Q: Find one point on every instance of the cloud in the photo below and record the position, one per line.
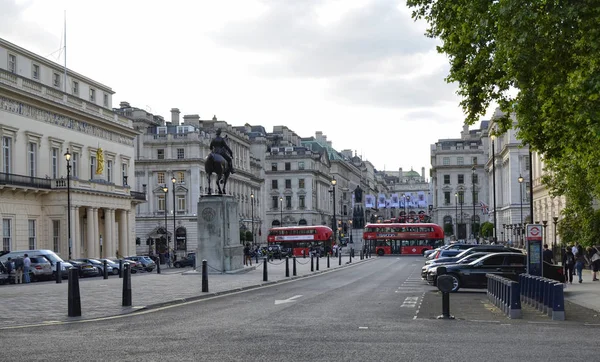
(17, 29)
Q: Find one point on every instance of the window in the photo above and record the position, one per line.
(475, 197)
(288, 202)
(161, 203)
(446, 161)
(56, 80)
(461, 179)
(274, 185)
(274, 166)
(92, 166)
(460, 161)
(446, 179)
(459, 146)
(447, 198)
(105, 100)
(56, 235)
(92, 95)
(274, 202)
(494, 260)
(474, 160)
(31, 159)
(181, 177)
(109, 169)
(288, 184)
(301, 165)
(161, 177)
(160, 154)
(76, 88)
(32, 234)
(124, 173)
(54, 162)
(301, 201)
(35, 72)
(180, 153)
(288, 166)
(526, 162)
(474, 178)
(301, 183)
(12, 63)
(6, 154)
(75, 164)
(461, 197)
(6, 235)
(180, 202)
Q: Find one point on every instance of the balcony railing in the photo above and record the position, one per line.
(137, 195)
(26, 181)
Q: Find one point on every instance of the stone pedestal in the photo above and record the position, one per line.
(219, 235)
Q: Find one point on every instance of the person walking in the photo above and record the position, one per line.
(548, 255)
(26, 267)
(247, 257)
(18, 270)
(595, 258)
(569, 265)
(579, 264)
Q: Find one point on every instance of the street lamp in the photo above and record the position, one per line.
(281, 209)
(456, 214)
(555, 220)
(544, 223)
(333, 222)
(68, 158)
(473, 201)
(173, 180)
(166, 191)
(493, 137)
(521, 179)
(252, 206)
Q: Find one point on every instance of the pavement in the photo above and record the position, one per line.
(47, 302)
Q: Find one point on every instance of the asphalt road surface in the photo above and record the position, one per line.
(368, 312)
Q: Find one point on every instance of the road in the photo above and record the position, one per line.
(368, 312)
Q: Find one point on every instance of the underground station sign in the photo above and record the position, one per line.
(534, 249)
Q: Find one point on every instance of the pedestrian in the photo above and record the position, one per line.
(548, 255)
(18, 270)
(579, 264)
(168, 258)
(569, 264)
(247, 256)
(335, 249)
(26, 266)
(595, 257)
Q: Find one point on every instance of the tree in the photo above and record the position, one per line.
(487, 229)
(249, 236)
(539, 61)
(448, 229)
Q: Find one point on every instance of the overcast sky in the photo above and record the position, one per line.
(360, 71)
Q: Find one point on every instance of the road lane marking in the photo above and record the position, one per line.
(289, 300)
(363, 327)
(410, 302)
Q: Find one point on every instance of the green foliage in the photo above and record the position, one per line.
(540, 61)
(242, 236)
(448, 229)
(249, 236)
(487, 229)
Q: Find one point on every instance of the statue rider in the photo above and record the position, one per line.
(219, 145)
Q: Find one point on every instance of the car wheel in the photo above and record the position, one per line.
(115, 271)
(455, 282)
(177, 265)
(149, 270)
(380, 252)
(133, 271)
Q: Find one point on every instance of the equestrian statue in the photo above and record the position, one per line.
(220, 162)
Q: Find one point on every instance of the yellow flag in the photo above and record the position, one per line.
(100, 160)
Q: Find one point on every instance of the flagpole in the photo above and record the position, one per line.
(65, 87)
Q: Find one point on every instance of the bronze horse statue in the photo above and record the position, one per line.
(217, 164)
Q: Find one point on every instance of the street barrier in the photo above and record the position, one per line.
(74, 298)
(58, 272)
(204, 276)
(126, 299)
(445, 283)
(265, 275)
(505, 294)
(294, 266)
(546, 295)
(104, 269)
(287, 266)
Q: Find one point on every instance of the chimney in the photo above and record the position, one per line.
(192, 120)
(124, 105)
(175, 116)
(400, 174)
(423, 173)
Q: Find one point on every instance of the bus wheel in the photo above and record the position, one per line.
(380, 252)
(423, 251)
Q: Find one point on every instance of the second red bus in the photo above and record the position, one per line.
(396, 238)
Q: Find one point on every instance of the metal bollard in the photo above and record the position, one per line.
(73, 293)
(444, 284)
(287, 267)
(351, 252)
(204, 276)
(158, 266)
(312, 264)
(265, 275)
(327, 261)
(127, 286)
(256, 255)
(120, 268)
(340, 257)
(294, 266)
(58, 272)
(558, 304)
(318, 262)
(105, 269)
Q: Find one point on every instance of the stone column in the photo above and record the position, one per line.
(75, 246)
(89, 235)
(107, 234)
(95, 234)
(122, 244)
(113, 236)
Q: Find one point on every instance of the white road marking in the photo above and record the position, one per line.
(289, 300)
(363, 327)
(410, 302)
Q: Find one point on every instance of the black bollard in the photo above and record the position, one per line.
(350, 256)
(340, 257)
(157, 266)
(58, 272)
(256, 254)
(204, 276)
(265, 275)
(294, 266)
(73, 293)
(312, 264)
(127, 286)
(105, 274)
(287, 267)
(120, 268)
(445, 283)
(327, 261)
(318, 257)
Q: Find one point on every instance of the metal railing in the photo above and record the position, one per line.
(137, 195)
(26, 181)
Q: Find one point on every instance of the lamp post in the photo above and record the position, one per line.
(166, 191)
(281, 209)
(456, 214)
(555, 220)
(68, 158)
(494, 183)
(544, 223)
(461, 199)
(173, 180)
(252, 207)
(333, 222)
(521, 179)
(405, 208)
(473, 200)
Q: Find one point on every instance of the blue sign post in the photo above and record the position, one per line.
(535, 265)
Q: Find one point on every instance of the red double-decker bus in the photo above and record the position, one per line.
(396, 238)
(301, 238)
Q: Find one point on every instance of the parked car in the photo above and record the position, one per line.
(447, 257)
(114, 265)
(50, 255)
(98, 265)
(85, 269)
(134, 266)
(505, 264)
(189, 260)
(40, 269)
(466, 259)
(147, 263)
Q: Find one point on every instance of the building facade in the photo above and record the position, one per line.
(47, 112)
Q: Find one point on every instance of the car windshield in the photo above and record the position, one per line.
(95, 261)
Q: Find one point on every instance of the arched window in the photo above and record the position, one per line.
(275, 223)
(447, 219)
(302, 222)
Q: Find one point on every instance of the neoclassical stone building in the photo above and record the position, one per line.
(46, 111)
